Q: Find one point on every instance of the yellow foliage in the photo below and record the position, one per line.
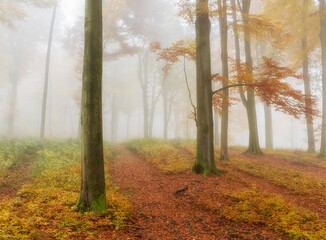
(162, 154)
(45, 209)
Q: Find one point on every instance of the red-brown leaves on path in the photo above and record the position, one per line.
(160, 213)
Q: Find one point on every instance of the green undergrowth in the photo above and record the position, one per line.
(14, 152)
(299, 182)
(45, 209)
(162, 154)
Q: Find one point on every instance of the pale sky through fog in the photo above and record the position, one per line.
(72, 10)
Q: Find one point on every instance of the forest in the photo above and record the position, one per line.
(162, 119)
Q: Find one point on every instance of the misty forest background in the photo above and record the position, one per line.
(24, 48)
(160, 119)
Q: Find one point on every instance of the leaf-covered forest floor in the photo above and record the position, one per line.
(152, 193)
(161, 212)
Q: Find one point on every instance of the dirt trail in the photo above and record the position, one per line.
(247, 180)
(160, 213)
(14, 178)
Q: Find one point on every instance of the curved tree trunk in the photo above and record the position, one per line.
(205, 162)
(322, 6)
(46, 79)
(92, 194)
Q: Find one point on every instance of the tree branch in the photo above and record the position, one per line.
(230, 86)
(189, 91)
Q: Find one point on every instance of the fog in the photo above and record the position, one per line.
(129, 29)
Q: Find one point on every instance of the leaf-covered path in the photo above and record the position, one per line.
(161, 212)
(15, 177)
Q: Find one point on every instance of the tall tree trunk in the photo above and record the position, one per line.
(205, 162)
(114, 119)
(269, 142)
(154, 100)
(46, 79)
(306, 80)
(216, 129)
(165, 110)
(237, 48)
(14, 75)
(322, 6)
(92, 194)
(225, 73)
(251, 103)
(142, 75)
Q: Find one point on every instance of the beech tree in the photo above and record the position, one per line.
(205, 161)
(92, 194)
(47, 68)
(222, 7)
(322, 12)
(301, 39)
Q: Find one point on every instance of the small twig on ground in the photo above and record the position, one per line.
(181, 191)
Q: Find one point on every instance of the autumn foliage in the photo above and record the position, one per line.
(269, 80)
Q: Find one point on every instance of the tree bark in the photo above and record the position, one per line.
(205, 162)
(225, 73)
(92, 194)
(165, 110)
(142, 76)
(216, 129)
(322, 6)
(237, 49)
(254, 147)
(46, 79)
(306, 80)
(14, 75)
(269, 142)
(114, 116)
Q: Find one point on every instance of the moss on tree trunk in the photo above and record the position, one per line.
(205, 162)
(92, 195)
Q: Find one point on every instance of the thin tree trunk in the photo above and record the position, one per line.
(165, 110)
(306, 80)
(114, 119)
(237, 49)
(251, 103)
(216, 127)
(155, 99)
(14, 76)
(269, 142)
(46, 79)
(205, 162)
(142, 75)
(92, 194)
(225, 73)
(322, 6)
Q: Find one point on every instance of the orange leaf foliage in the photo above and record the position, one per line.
(171, 55)
(268, 82)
